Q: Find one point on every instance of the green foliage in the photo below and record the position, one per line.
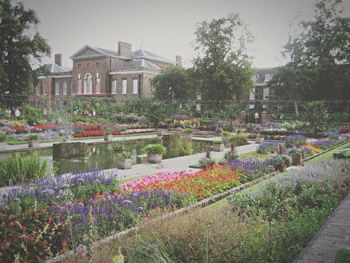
(31, 114)
(177, 144)
(19, 169)
(18, 48)
(316, 115)
(319, 56)
(237, 139)
(33, 137)
(222, 67)
(282, 160)
(172, 83)
(3, 136)
(156, 148)
(206, 162)
(124, 155)
(295, 152)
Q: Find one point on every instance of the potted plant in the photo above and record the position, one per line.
(218, 146)
(33, 140)
(108, 135)
(155, 152)
(3, 143)
(281, 162)
(124, 160)
(297, 156)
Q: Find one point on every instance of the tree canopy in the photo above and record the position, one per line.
(319, 66)
(222, 65)
(20, 47)
(173, 83)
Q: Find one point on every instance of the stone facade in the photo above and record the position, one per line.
(122, 75)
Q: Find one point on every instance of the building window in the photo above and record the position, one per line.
(79, 66)
(64, 88)
(268, 77)
(135, 86)
(124, 86)
(266, 93)
(98, 83)
(252, 95)
(57, 88)
(87, 83)
(87, 65)
(97, 64)
(79, 84)
(114, 87)
(45, 88)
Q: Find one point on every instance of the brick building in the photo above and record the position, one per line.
(123, 75)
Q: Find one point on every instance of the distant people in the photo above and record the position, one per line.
(256, 117)
(8, 112)
(44, 111)
(93, 113)
(17, 113)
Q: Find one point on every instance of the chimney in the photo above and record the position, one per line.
(124, 49)
(58, 59)
(178, 60)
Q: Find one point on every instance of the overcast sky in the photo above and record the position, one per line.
(165, 27)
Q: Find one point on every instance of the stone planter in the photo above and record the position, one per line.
(154, 158)
(108, 137)
(259, 140)
(124, 163)
(298, 160)
(218, 147)
(33, 144)
(3, 145)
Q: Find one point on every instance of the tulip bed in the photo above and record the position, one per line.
(55, 214)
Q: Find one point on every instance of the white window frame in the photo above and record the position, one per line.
(124, 86)
(114, 87)
(64, 88)
(266, 93)
(79, 84)
(87, 83)
(135, 86)
(45, 88)
(57, 88)
(98, 83)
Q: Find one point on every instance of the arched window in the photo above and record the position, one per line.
(87, 83)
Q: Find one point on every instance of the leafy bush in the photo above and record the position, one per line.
(266, 147)
(156, 148)
(3, 137)
(19, 169)
(295, 140)
(177, 144)
(33, 137)
(124, 155)
(206, 162)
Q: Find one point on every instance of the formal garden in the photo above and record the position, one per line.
(47, 213)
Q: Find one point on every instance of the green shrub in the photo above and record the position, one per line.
(156, 148)
(3, 137)
(177, 144)
(33, 137)
(124, 155)
(18, 169)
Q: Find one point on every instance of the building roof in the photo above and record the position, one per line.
(102, 52)
(56, 69)
(138, 65)
(261, 74)
(145, 54)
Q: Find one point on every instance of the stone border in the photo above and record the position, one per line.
(184, 210)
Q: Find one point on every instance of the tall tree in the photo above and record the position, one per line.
(222, 65)
(20, 47)
(173, 83)
(319, 66)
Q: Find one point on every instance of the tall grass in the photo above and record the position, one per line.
(18, 169)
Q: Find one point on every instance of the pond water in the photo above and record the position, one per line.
(100, 156)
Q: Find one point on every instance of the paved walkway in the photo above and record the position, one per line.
(334, 235)
(181, 163)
